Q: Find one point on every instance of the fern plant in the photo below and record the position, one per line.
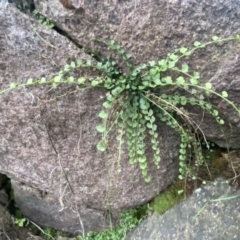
(140, 99)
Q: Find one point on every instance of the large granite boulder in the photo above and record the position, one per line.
(151, 29)
(48, 137)
(212, 212)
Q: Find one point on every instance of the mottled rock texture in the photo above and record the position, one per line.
(211, 213)
(150, 29)
(5, 222)
(10, 230)
(48, 135)
(42, 134)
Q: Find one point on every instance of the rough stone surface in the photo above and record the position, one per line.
(45, 138)
(46, 213)
(34, 123)
(3, 197)
(5, 220)
(211, 213)
(150, 29)
(10, 231)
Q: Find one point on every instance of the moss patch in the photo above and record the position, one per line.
(167, 199)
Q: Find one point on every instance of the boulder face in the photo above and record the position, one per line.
(207, 214)
(48, 137)
(149, 30)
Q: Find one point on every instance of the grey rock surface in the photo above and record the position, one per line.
(10, 231)
(5, 221)
(48, 134)
(211, 213)
(33, 121)
(48, 213)
(149, 30)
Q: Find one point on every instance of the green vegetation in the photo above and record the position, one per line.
(129, 220)
(41, 19)
(20, 221)
(35, 14)
(167, 199)
(137, 97)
